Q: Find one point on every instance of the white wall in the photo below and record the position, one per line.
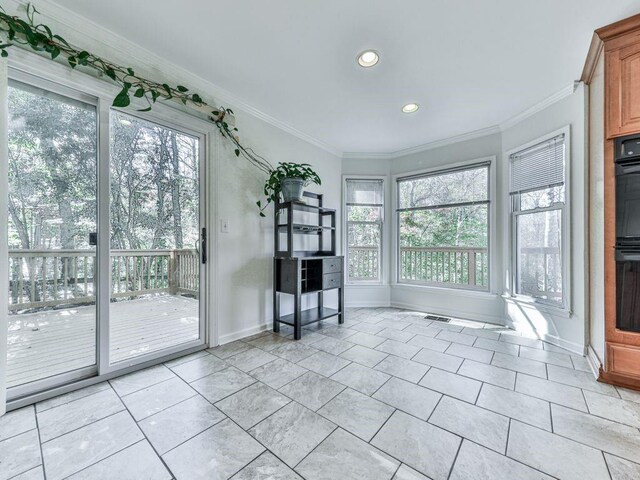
(569, 331)
(244, 256)
(596, 210)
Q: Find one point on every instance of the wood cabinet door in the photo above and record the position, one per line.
(623, 90)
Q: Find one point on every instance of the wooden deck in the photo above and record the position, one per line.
(57, 341)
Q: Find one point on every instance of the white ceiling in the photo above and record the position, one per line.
(470, 64)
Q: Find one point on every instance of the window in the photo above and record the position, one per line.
(443, 227)
(364, 202)
(537, 188)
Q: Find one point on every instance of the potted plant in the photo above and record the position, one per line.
(288, 180)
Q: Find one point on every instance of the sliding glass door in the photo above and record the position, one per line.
(155, 238)
(52, 223)
(83, 176)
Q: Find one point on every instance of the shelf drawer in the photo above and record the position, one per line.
(331, 280)
(331, 265)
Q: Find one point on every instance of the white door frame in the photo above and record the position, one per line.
(4, 238)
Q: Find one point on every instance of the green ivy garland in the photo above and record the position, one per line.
(40, 38)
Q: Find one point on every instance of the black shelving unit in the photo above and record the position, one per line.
(308, 270)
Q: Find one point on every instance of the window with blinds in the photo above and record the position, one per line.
(364, 203)
(443, 227)
(537, 188)
(538, 167)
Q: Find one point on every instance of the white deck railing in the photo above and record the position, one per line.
(540, 272)
(363, 263)
(445, 265)
(48, 278)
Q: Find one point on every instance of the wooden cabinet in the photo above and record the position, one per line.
(620, 45)
(623, 87)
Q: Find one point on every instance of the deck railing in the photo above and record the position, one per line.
(445, 265)
(363, 263)
(48, 278)
(540, 272)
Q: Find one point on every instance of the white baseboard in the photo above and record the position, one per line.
(594, 361)
(559, 342)
(452, 312)
(367, 304)
(231, 337)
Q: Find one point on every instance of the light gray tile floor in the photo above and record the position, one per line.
(388, 395)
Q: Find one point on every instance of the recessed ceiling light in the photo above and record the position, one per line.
(368, 58)
(410, 108)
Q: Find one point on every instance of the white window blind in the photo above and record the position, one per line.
(365, 193)
(537, 167)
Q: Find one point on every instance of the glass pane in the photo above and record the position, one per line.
(543, 198)
(540, 255)
(155, 264)
(364, 214)
(52, 209)
(364, 251)
(445, 245)
(471, 185)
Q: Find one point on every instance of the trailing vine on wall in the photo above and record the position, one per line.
(40, 38)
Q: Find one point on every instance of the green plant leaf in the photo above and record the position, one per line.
(122, 99)
(61, 40)
(237, 151)
(182, 89)
(139, 93)
(82, 57)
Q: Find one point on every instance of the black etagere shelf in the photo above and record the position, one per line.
(307, 270)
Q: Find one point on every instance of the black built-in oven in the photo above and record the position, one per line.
(627, 158)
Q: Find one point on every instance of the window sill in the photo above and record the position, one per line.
(447, 290)
(542, 307)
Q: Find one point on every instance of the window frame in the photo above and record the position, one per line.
(512, 203)
(491, 226)
(382, 251)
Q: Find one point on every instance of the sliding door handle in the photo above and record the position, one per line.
(203, 239)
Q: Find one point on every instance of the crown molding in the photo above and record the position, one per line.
(590, 63)
(547, 102)
(82, 31)
(424, 147)
(619, 28)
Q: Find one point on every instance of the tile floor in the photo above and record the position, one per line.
(388, 395)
